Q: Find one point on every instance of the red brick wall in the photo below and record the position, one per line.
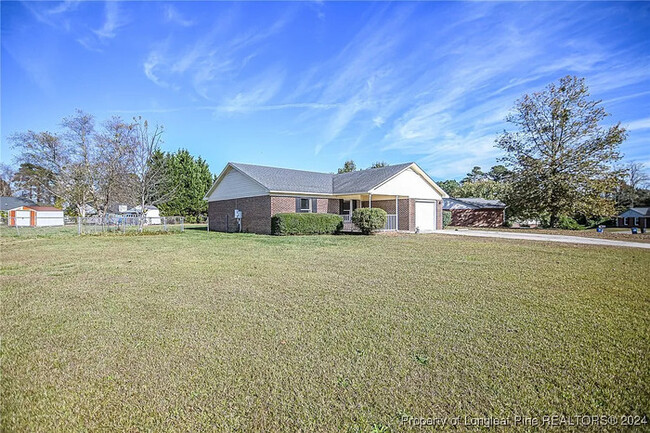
(477, 217)
(284, 204)
(256, 214)
(387, 205)
(439, 215)
(406, 218)
(333, 206)
(411, 214)
(643, 222)
(323, 205)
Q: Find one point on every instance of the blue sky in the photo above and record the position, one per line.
(309, 85)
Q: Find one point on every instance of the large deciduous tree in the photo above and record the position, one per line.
(79, 177)
(43, 157)
(114, 169)
(561, 157)
(150, 179)
(637, 179)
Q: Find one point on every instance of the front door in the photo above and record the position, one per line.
(347, 207)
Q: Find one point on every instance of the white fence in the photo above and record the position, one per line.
(390, 225)
(391, 222)
(15, 226)
(121, 224)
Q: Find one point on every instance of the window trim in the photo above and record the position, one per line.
(308, 208)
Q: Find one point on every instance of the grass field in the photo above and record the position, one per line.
(216, 332)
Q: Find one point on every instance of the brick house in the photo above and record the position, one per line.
(411, 198)
(475, 212)
(634, 217)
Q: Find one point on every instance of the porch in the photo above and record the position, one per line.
(390, 204)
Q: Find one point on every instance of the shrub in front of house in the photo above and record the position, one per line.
(284, 224)
(446, 218)
(369, 219)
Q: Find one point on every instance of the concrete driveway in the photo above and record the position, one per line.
(544, 238)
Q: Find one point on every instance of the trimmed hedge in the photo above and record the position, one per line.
(446, 218)
(369, 219)
(284, 224)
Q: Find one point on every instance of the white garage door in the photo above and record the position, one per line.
(23, 217)
(425, 216)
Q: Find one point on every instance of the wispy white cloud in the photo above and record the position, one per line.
(638, 124)
(232, 108)
(150, 65)
(63, 7)
(214, 63)
(114, 19)
(55, 16)
(172, 15)
(396, 86)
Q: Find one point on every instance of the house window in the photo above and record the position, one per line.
(305, 205)
(636, 221)
(625, 221)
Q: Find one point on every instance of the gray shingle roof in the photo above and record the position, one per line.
(633, 211)
(478, 203)
(284, 179)
(7, 203)
(364, 180)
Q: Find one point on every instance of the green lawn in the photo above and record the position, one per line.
(206, 331)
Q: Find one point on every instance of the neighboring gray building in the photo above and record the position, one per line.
(475, 212)
(7, 203)
(634, 217)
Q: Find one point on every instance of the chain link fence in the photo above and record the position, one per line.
(70, 226)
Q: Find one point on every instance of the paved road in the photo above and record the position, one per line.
(545, 238)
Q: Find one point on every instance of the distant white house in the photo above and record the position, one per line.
(151, 213)
(35, 216)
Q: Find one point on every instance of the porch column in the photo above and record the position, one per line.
(396, 213)
(370, 201)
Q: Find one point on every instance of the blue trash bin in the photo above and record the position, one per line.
(635, 230)
(599, 229)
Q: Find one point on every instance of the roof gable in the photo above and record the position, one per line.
(365, 180)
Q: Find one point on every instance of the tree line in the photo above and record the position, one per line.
(560, 165)
(87, 165)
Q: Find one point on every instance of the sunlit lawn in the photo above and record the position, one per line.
(206, 331)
